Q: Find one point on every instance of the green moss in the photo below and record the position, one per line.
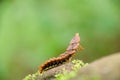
(32, 76)
(78, 64)
(65, 75)
(93, 77)
(61, 76)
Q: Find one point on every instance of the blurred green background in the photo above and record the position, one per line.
(32, 31)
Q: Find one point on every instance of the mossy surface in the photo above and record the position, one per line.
(32, 76)
(65, 75)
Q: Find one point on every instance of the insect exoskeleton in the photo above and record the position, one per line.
(65, 57)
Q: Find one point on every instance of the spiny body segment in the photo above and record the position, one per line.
(73, 47)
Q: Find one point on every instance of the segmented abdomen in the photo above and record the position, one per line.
(62, 58)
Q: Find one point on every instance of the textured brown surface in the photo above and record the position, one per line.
(106, 68)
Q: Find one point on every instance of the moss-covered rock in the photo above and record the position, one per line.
(62, 73)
